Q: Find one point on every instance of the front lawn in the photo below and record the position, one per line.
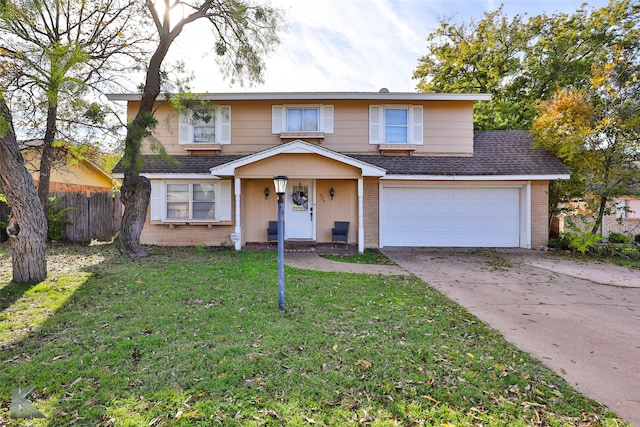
(192, 337)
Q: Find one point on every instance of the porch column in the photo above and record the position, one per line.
(360, 215)
(238, 235)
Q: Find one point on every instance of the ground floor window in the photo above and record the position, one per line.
(191, 201)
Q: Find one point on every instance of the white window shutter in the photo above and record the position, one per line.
(223, 131)
(621, 211)
(416, 122)
(185, 127)
(223, 201)
(277, 118)
(327, 120)
(157, 200)
(376, 124)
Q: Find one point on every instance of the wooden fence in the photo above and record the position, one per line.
(96, 216)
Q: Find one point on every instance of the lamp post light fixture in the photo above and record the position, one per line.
(332, 192)
(280, 184)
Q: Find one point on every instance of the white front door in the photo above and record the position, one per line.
(299, 210)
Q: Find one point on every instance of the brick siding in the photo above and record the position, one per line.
(539, 213)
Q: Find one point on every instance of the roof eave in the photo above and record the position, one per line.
(547, 177)
(310, 96)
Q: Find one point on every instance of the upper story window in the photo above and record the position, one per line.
(628, 208)
(302, 118)
(395, 124)
(191, 201)
(205, 126)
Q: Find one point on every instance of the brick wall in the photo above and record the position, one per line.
(371, 213)
(539, 213)
(186, 235)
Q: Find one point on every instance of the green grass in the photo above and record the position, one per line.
(188, 337)
(369, 256)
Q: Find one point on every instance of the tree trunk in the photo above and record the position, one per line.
(27, 227)
(136, 190)
(600, 214)
(134, 193)
(45, 159)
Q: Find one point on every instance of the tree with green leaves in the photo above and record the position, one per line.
(243, 33)
(596, 132)
(27, 225)
(52, 52)
(522, 60)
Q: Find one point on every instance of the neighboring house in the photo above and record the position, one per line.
(67, 175)
(404, 169)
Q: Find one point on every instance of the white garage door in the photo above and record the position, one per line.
(453, 217)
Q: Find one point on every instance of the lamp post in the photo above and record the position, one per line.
(280, 183)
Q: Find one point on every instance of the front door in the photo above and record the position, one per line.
(299, 215)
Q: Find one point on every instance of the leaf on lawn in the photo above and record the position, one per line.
(308, 420)
(90, 402)
(364, 363)
(155, 421)
(471, 356)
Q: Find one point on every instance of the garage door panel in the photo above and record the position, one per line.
(454, 217)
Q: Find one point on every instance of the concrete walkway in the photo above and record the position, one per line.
(311, 261)
(582, 319)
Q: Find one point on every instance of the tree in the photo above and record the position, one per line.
(596, 131)
(27, 226)
(522, 60)
(242, 34)
(57, 50)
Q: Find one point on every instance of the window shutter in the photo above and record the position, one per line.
(376, 130)
(157, 200)
(416, 125)
(621, 211)
(223, 130)
(327, 120)
(277, 118)
(185, 127)
(223, 201)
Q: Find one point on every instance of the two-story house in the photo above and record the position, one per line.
(404, 169)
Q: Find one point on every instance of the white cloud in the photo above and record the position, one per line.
(353, 45)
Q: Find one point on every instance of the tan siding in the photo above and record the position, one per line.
(257, 210)
(343, 207)
(298, 166)
(539, 213)
(448, 127)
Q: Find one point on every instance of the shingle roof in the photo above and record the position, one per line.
(180, 164)
(496, 153)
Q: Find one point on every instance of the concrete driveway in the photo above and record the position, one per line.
(580, 319)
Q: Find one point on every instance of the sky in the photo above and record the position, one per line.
(353, 45)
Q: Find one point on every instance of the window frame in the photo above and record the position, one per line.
(222, 126)
(623, 204)
(280, 118)
(378, 124)
(160, 201)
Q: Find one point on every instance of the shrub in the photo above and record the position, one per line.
(636, 239)
(619, 238)
(582, 242)
(56, 218)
